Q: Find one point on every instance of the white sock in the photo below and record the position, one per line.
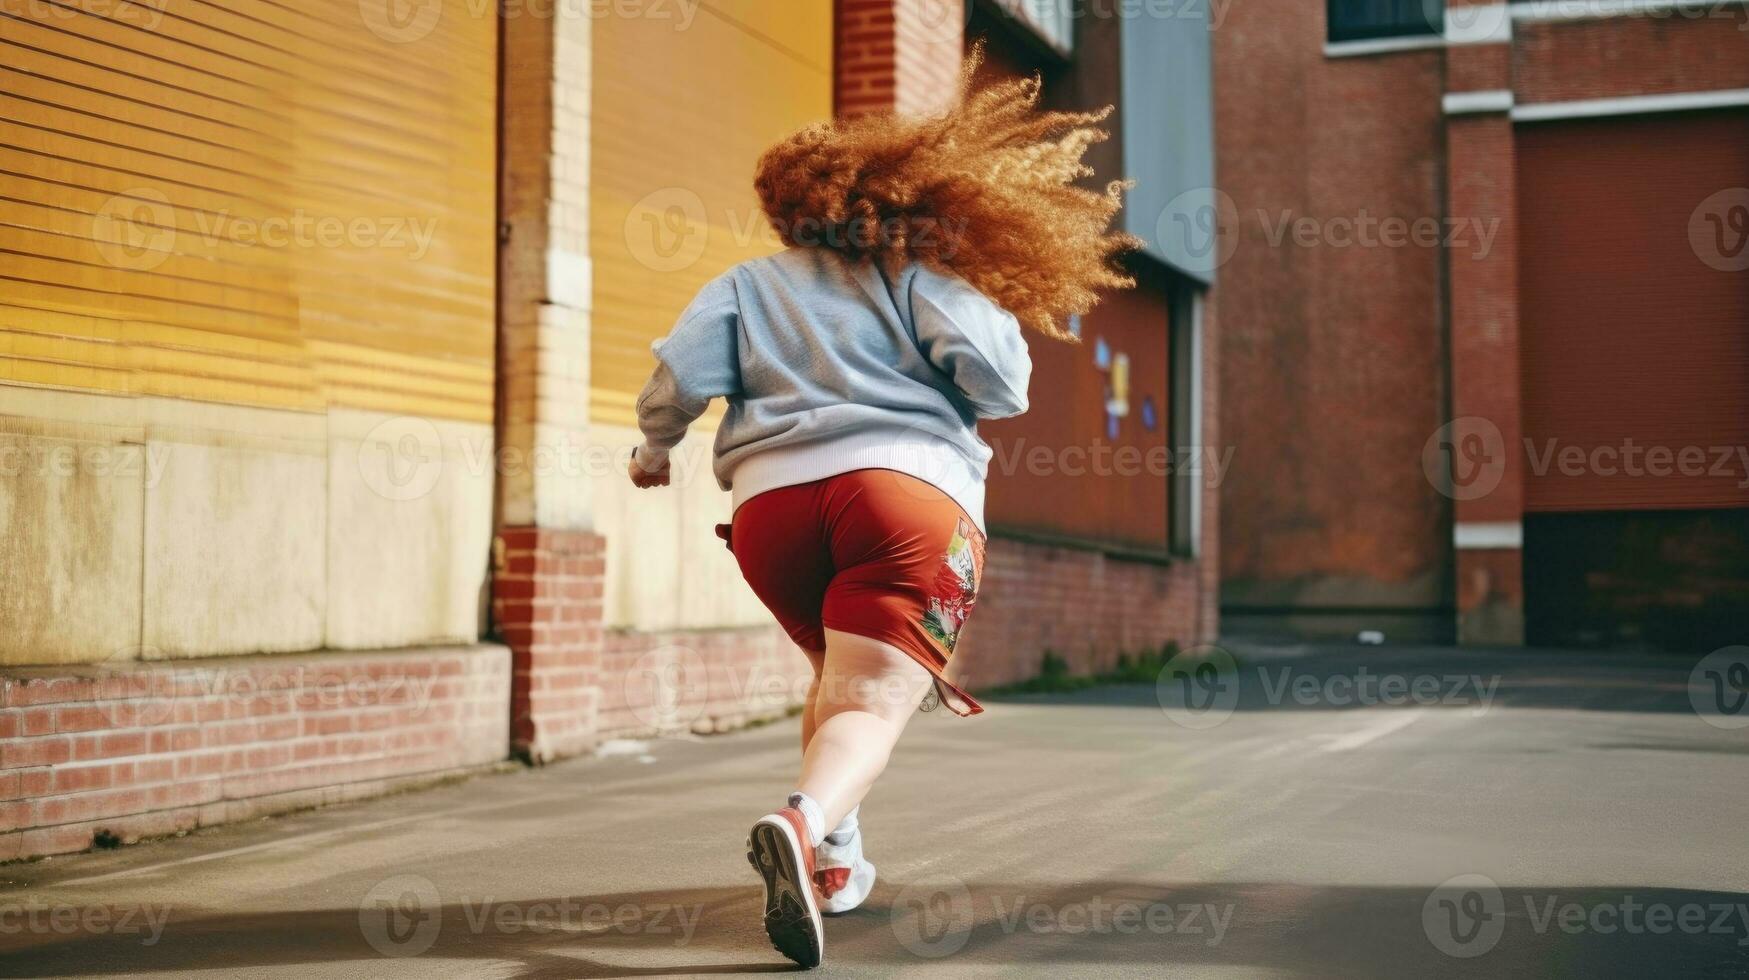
(846, 829)
(811, 812)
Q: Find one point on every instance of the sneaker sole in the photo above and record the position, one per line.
(792, 917)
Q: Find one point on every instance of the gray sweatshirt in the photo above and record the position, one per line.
(829, 366)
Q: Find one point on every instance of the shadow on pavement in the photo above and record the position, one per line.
(1286, 929)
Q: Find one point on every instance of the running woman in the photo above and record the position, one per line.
(855, 366)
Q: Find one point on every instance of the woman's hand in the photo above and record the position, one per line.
(643, 478)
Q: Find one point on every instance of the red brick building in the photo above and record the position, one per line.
(1486, 320)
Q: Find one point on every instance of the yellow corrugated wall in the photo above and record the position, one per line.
(681, 112)
(260, 203)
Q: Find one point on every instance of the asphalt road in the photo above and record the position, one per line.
(1530, 814)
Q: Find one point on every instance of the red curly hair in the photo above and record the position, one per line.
(985, 191)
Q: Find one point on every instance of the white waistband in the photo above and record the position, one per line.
(933, 461)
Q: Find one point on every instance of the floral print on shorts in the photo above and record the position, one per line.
(955, 588)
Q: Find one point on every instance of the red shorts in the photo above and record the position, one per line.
(871, 552)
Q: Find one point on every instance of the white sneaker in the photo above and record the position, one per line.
(843, 877)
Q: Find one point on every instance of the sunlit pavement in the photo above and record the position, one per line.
(1513, 815)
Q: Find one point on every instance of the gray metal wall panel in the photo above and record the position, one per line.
(1168, 136)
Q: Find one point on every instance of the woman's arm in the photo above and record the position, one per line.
(696, 362)
(973, 341)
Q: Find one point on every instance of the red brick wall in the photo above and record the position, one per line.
(1082, 605)
(1626, 56)
(701, 681)
(155, 748)
(1332, 372)
(899, 55)
(546, 606)
(1327, 505)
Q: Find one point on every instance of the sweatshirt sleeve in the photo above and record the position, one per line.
(973, 341)
(696, 362)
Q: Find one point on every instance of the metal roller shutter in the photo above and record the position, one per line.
(680, 116)
(251, 202)
(1635, 316)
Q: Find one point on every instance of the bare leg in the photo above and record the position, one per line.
(817, 660)
(863, 698)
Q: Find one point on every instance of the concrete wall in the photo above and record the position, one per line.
(154, 528)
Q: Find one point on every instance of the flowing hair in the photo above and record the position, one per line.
(986, 191)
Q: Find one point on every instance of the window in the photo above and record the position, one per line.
(1368, 20)
(1052, 20)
